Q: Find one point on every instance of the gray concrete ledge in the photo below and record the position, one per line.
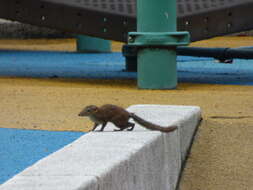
(140, 159)
(9, 29)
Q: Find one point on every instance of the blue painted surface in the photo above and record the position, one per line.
(111, 65)
(211, 71)
(21, 148)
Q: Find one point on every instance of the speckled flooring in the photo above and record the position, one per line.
(221, 156)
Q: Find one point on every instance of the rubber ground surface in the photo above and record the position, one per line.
(21, 148)
(221, 157)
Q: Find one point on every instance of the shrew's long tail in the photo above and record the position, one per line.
(150, 125)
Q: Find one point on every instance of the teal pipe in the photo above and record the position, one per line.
(92, 45)
(156, 67)
(156, 39)
(156, 16)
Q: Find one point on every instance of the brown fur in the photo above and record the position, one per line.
(119, 117)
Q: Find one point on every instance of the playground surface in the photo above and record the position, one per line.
(221, 154)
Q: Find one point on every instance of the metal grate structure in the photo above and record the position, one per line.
(123, 7)
(188, 7)
(113, 19)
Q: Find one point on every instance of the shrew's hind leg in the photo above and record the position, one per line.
(131, 126)
(121, 128)
(120, 121)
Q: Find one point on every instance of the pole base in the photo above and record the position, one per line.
(157, 69)
(156, 57)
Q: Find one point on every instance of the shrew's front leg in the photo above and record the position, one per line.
(103, 126)
(95, 126)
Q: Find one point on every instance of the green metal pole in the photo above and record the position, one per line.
(157, 39)
(156, 67)
(92, 45)
(156, 16)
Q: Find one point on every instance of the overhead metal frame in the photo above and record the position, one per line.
(225, 17)
(113, 19)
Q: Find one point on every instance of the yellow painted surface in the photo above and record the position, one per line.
(39, 44)
(70, 44)
(46, 45)
(53, 104)
(222, 153)
(228, 41)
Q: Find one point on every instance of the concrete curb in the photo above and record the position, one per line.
(140, 159)
(12, 29)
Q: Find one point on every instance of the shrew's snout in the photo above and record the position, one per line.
(81, 114)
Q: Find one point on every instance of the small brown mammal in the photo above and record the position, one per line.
(119, 117)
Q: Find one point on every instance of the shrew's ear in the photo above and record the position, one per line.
(95, 109)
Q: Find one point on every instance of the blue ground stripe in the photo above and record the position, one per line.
(21, 148)
(210, 71)
(111, 65)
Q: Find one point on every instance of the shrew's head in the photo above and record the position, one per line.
(88, 110)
